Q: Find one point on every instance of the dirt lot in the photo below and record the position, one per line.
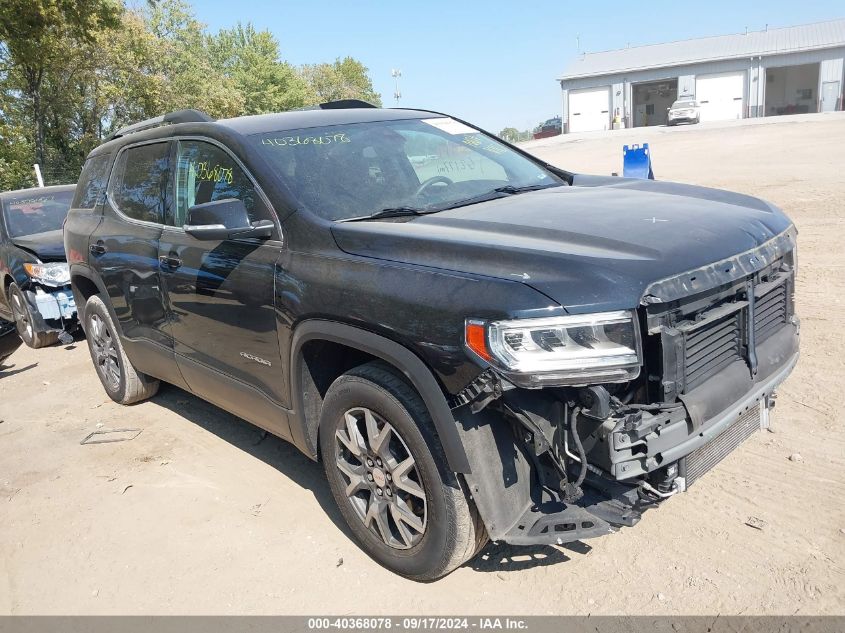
(198, 514)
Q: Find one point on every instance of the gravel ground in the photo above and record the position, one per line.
(202, 514)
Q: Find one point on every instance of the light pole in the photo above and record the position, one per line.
(396, 74)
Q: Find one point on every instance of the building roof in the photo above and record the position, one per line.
(769, 42)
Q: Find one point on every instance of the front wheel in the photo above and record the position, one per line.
(25, 321)
(388, 474)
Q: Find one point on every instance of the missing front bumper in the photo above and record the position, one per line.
(52, 310)
(653, 441)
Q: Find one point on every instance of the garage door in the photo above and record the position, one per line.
(589, 109)
(721, 96)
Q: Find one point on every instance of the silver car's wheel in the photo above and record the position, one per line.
(22, 317)
(104, 352)
(384, 486)
(25, 322)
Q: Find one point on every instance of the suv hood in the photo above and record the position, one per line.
(596, 245)
(48, 247)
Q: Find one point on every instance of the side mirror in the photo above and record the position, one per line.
(223, 220)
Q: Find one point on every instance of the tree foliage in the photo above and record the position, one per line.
(251, 60)
(73, 71)
(344, 79)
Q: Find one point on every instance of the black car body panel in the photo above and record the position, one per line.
(9, 340)
(262, 327)
(587, 248)
(48, 247)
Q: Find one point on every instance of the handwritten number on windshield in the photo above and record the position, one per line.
(293, 141)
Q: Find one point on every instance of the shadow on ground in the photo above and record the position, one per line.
(501, 557)
(11, 370)
(284, 457)
(273, 451)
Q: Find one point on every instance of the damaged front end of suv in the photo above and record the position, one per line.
(608, 414)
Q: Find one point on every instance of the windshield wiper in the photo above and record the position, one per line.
(511, 189)
(392, 212)
(493, 194)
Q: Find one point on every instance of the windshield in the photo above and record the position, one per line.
(33, 213)
(683, 104)
(343, 172)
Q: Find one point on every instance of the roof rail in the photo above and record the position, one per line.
(340, 104)
(179, 116)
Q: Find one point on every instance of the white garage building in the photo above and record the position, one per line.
(761, 73)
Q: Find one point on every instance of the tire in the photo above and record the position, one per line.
(25, 321)
(120, 379)
(428, 526)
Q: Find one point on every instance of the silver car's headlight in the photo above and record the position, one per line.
(568, 350)
(53, 274)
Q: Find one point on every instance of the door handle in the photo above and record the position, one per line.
(170, 261)
(98, 248)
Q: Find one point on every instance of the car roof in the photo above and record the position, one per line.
(298, 119)
(264, 123)
(36, 190)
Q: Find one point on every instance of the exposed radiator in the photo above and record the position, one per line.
(706, 457)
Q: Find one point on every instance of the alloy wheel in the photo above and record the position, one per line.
(384, 485)
(22, 316)
(104, 352)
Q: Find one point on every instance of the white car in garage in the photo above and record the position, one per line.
(684, 112)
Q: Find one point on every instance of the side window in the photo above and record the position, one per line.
(433, 155)
(205, 173)
(92, 182)
(140, 182)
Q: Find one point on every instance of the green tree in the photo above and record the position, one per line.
(190, 78)
(251, 60)
(346, 78)
(34, 35)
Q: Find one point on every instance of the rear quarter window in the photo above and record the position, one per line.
(92, 182)
(140, 182)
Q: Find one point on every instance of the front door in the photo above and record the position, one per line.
(220, 293)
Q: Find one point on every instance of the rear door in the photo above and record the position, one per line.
(85, 211)
(124, 252)
(220, 293)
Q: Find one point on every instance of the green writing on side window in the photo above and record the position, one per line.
(216, 173)
(293, 141)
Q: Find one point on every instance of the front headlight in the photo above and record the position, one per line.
(569, 350)
(54, 274)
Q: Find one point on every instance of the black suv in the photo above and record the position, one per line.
(33, 269)
(475, 343)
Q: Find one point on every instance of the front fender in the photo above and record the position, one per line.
(304, 431)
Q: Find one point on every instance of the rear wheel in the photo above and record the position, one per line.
(121, 380)
(25, 321)
(388, 475)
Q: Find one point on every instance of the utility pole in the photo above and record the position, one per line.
(396, 74)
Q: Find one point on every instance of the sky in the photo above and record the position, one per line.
(493, 63)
